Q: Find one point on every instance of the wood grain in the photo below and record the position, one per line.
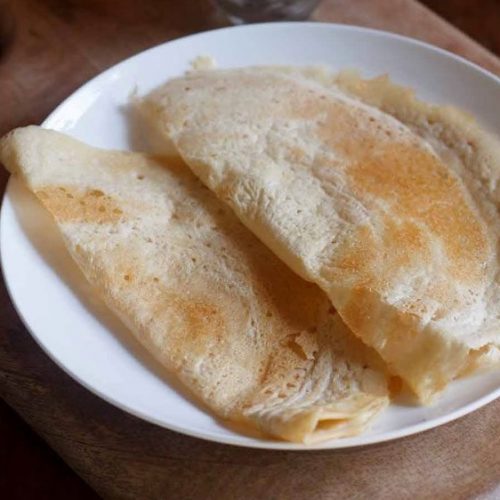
(30, 469)
(408, 18)
(481, 21)
(53, 48)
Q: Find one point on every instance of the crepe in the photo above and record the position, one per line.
(393, 212)
(256, 343)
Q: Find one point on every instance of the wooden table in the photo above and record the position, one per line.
(53, 48)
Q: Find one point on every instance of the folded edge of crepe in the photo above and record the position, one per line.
(247, 336)
(415, 276)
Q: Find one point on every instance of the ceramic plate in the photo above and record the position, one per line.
(77, 332)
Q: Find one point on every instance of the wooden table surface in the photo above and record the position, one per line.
(47, 49)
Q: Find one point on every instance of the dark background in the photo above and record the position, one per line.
(28, 467)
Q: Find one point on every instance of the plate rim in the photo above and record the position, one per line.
(287, 25)
(230, 440)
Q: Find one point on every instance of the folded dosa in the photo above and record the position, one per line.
(393, 214)
(255, 342)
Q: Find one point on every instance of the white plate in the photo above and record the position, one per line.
(80, 337)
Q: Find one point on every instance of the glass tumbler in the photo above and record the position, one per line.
(256, 11)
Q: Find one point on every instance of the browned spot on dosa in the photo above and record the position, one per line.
(72, 205)
(419, 190)
(194, 323)
(428, 203)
